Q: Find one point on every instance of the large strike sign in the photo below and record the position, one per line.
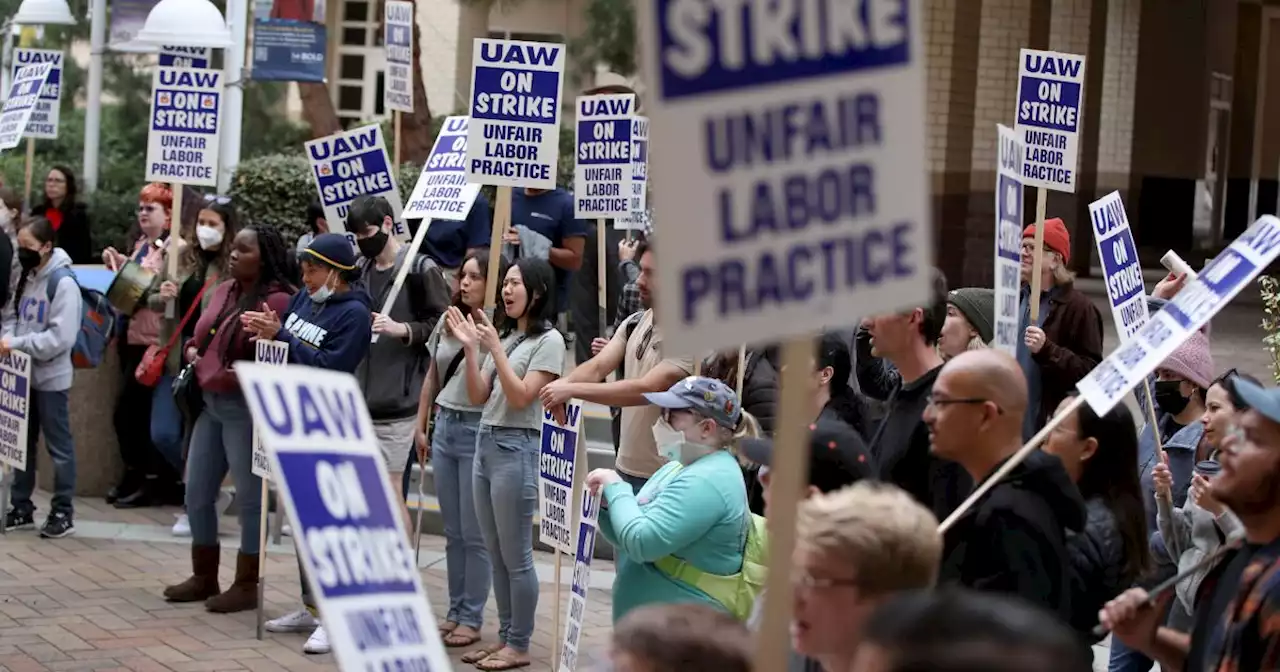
(183, 143)
(184, 57)
(1185, 314)
(514, 139)
(442, 191)
(275, 353)
(1050, 90)
(43, 123)
(398, 92)
(602, 173)
(350, 164)
(1125, 289)
(557, 482)
(24, 96)
(793, 143)
(15, 400)
(351, 535)
(589, 523)
(1008, 279)
(639, 177)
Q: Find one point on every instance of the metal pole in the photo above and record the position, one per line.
(6, 61)
(233, 72)
(93, 111)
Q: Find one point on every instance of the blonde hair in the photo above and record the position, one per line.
(1061, 274)
(748, 428)
(890, 539)
(976, 343)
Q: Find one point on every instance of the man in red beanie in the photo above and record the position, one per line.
(1065, 343)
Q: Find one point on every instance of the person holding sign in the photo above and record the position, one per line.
(69, 217)
(526, 355)
(693, 511)
(222, 439)
(1066, 342)
(44, 325)
(451, 446)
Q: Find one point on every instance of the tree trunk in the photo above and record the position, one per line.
(415, 129)
(318, 110)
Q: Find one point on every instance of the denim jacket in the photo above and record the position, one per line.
(1181, 448)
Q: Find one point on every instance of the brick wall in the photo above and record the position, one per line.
(1119, 74)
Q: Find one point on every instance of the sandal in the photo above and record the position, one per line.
(447, 627)
(473, 657)
(497, 661)
(457, 640)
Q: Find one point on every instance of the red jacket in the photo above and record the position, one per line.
(229, 342)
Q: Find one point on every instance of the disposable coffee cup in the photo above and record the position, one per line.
(1208, 468)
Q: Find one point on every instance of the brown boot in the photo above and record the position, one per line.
(203, 583)
(243, 594)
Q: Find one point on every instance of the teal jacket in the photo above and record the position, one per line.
(700, 515)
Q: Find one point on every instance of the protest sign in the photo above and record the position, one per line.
(1188, 311)
(442, 191)
(602, 170)
(351, 534)
(586, 546)
(799, 164)
(1050, 93)
(397, 94)
(639, 177)
(558, 480)
(24, 96)
(514, 137)
(1008, 278)
(1126, 291)
(350, 164)
(43, 123)
(275, 353)
(15, 400)
(183, 143)
(184, 57)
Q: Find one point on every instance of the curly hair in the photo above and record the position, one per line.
(276, 273)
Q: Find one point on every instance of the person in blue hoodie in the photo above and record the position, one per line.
(328, 327)
(44, 326)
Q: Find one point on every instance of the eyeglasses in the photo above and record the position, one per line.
(931, 400)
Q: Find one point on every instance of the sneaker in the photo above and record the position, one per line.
(286, 530)
(182, 528)
(19, 520)
(298, 621)
(57, 526)
(318, 642)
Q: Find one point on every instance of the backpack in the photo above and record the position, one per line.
(97, 321)
(737, 592)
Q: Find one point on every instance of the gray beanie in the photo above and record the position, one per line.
(978, 305)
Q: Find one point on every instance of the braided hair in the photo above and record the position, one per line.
(276, 273)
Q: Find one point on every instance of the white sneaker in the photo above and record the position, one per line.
(286, 530)
(318, 642)
(182, 528)
(298, 621)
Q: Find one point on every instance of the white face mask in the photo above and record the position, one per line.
(324, 292)
(674, 446)
(209, 237)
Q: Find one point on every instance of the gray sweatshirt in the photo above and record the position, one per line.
(46, 331)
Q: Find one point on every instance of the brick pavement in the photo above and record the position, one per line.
(84, 603)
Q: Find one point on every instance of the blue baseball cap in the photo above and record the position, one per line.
(1265, 400)
(332, 250)
(705, 396)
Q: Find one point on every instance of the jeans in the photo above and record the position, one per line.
(50, 414)
(222, 441)
(166, 423)
(453, 451)
(506, 494)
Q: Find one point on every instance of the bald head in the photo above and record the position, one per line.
(990, 374)
(975, 418)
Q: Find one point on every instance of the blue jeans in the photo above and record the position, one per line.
(222, 441)
(166, 423)
(453, 451)
(506, 493)
(49, 413)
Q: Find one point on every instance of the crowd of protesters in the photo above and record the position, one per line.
(909, 412)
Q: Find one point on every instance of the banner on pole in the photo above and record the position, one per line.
(514, 137)
(15, 404)
(275, 353)
(352, 537)
(1008, 276)
(1050, 97)
(1188, 311)
(43, 123)
(285, 50)
(397, 93)
(185, 111)
(350, 164)
(558, 481)
(1126, 290)
(24, 95)
(602, 166)
(589, 518)
(442, 190)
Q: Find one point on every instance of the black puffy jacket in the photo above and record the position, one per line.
(1097, 566)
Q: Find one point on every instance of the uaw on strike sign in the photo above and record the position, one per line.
(23, 96)
(43, 123)
(514, 139)
(350, 164)
(794, 146)
(558, 483)
(1126, 290)
(351, 535)
(15, 404)
(602, 171)
(1050, 93)
(442, 190)
(183, 143)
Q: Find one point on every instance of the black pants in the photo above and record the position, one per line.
(133, 420)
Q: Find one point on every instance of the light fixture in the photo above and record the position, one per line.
(44, 12)
(186, 23)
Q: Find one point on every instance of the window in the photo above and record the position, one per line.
(351, 66)
(357, 78)
(357, 12)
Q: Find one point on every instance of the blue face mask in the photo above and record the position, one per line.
(324, 292)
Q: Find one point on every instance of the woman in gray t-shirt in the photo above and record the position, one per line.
(521, 355)
(452, 449)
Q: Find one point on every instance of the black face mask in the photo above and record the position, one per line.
(372, 246)
(28, 258)
(1169, 398)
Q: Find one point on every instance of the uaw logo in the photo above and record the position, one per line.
(163, 98)
(208, 101)
(325, 169)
